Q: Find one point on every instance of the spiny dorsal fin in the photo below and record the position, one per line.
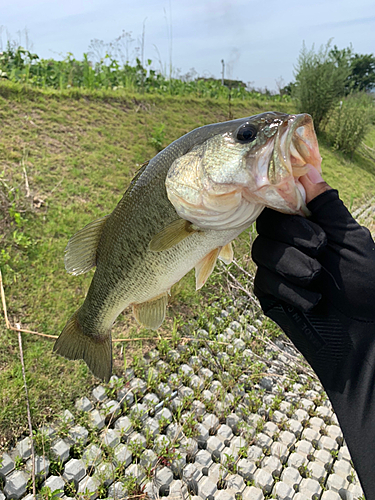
(172, 234)
(226, 253)
(80, 252)
(205, 267)
(152, 313)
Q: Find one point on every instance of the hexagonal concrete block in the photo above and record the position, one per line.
(280, 451)
(310, 434)
(97, 419)
(117, 491)
(75, 470)
(111, 410)
(41, 465)
(263, 440)
(78, 433)
(214, 444)
(24, 448)
(343, 468)
(271, 464)
(123, 455)
(291, 476)
(263, 480)
(304, 447)
(287, 438)
(125, 397)
(99, 393)
(309, 487)
(61, 450)
(15, 485)
(330, 495)
(148, 459)
(206, 487)
(203, 457)
(136, 471)
(296, 460)
(83, 404)
(124, 425)
(235, 482)
(336, 482)
(283, 491)
(6, 464)
(105, 473)
(328, 443)
(111, 437)
(252, 493)
(245, 467)
(55, 483)
(254, 453)
(92, 455)
(323, 456)
(89, 487)
(317, 471)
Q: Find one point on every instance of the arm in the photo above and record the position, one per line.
(316, 279)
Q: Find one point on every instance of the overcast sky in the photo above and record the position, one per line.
(259, 40)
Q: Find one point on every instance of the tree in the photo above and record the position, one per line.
(321, 78)
(363, 72)
(362, 69)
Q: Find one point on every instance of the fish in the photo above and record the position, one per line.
(181, 211)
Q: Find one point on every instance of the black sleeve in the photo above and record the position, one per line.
(324, 300)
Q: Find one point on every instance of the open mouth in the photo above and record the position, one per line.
(295, 147)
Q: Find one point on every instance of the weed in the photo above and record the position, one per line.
(77, 449)
(304, 471)
(158, 137)
(42, 443)
(56, 467)
(46, 493)
(136, 448)
(190, 426)
(70, 489)
(19, 463)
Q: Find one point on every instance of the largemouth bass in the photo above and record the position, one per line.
(182, 210)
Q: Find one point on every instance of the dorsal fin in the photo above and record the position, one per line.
(80, 252)
(205, 267)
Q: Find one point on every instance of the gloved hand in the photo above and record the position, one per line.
(316, 279)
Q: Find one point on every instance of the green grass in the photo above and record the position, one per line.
(80, 149)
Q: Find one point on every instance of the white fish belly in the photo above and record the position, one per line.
(167, 267)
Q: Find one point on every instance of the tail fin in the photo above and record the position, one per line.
(96, 351)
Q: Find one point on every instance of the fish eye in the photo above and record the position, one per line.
(246, 133)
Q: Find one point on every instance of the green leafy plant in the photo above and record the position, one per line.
(320, 82)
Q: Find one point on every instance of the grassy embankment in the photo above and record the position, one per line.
(79, 150)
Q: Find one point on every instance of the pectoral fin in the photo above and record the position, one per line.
(226, 253)
(152, 313)
(80, 252)
(168, 237)
(205, 267)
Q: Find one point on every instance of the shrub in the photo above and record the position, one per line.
(349, 122)
(320, 80)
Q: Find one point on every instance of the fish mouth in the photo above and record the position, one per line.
(295, 151)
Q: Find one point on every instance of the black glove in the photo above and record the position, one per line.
(316, 280)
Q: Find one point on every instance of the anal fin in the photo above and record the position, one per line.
(205, 267)
(226, 253)
(151, 314)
